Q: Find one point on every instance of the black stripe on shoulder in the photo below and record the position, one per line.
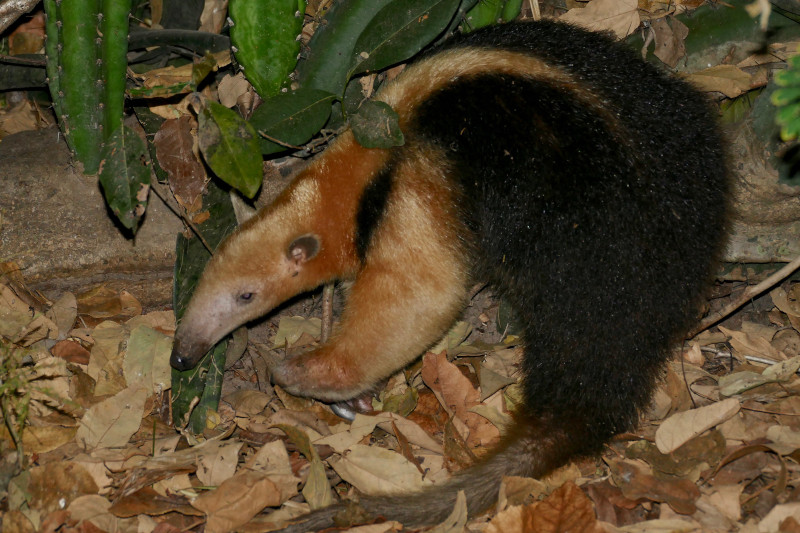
(371, 208)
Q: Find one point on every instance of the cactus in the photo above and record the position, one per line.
(86, 47)
(205, 381)
(264, 34)
(114, 62)
(87, 44)
(74, 76)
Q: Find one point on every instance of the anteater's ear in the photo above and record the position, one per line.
(302, 249)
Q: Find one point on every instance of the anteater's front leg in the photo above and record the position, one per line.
(411, 289)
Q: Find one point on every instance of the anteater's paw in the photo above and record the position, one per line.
(318, 374)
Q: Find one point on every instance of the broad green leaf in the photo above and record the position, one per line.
(292, 118)
(230, 147)
(484, 13)
(511, 10)
(376, 126)
(785, 96)
(331, 53)
(205, 380)
(789, 77)
(399, 31)
(125, 176)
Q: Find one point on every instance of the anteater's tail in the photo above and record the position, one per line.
(531, 449)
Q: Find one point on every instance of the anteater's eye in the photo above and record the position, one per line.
(245, 297)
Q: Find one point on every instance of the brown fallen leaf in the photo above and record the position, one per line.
(458, 396)
(177, 155)
(726, 79)
(240, 497)
(91, 513)
(217, 461)
(71, 351)
(17, 522)
(55, 485)
(106, 360)
(567, 509)
(670, 36)
(377, 470)
(111, 423)
(636, 482)
(147, 501)
(619, 16)
(681, 427)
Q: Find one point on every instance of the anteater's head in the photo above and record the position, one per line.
(260, 266)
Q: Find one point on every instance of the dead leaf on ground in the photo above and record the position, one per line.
(618, 16)
(111, 423)
(458, 396)
(680, 427)
(566, 509)
(726, 79)
(636, 482)
(377, 470)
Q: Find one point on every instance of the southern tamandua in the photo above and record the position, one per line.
(587, 187)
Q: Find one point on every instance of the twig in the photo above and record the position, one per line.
(327, 311)
(278, 141)
(746, 296)
(155, 185)
(187, 416)
(14, 60)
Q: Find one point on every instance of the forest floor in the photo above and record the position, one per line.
(88, 379)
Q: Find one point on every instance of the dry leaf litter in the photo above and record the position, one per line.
(85, 386)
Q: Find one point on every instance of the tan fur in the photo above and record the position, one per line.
(415, 84)
(424, 272)
(413, 265)
(392, 223)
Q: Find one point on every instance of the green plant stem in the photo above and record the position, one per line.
(79, 79)
(15, 436)
(114, 49)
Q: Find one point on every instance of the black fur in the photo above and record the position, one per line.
(597, 217)
(371, 209)
(598, 226)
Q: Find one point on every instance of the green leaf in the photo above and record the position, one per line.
(291, 117)
(789, 77)
(125, 176)
(230, 147)
(787, 114)
(331, 46)
(201, 69)
(486, 12)
(736, 109)
(785, 96)
(511, 10)
(399, 31)
(376, 126)
(205, 380)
